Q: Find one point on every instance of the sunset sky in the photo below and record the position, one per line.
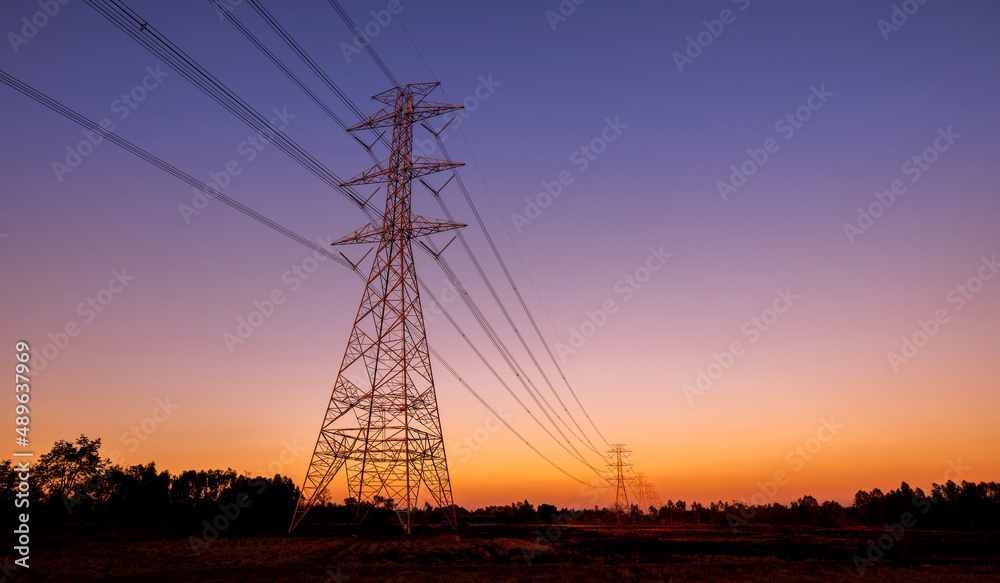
(813, 391)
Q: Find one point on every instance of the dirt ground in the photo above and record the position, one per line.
(542, 552)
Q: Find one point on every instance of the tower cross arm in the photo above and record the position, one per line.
(418, 227)
(419, 167)
(386, 117)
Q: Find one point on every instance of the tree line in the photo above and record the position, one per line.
(72, 485)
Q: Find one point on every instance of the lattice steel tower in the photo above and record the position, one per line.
(652, 498)
(620, 475)
(387, 432)
(639, 484)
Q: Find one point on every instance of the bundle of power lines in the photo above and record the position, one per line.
(137, 28)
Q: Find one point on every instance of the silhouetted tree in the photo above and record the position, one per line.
(60, 471)
(546, 511)
(73, 486)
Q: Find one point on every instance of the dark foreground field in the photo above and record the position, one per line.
(498, 553)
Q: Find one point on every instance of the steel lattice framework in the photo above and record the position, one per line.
(387, 433)
(631, 488)
(652, 498)
(639, 484)
(620, 474)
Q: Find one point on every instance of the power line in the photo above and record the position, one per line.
(496, 297)
(329, 51)
(284, 69)
(364, 40)
(72, 115)
(270, 55)
(132, 24)
(518, 373)
(374, 55)
(493, 247)
(491, 334)
(147, 35)
(520, 298)
(294, 45)
(277, 62)
(132, 148)
(502, 420)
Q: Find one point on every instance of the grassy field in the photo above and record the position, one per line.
(483, 553)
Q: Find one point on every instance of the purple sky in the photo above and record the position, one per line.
(642, 148)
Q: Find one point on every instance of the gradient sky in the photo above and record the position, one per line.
(656, 185)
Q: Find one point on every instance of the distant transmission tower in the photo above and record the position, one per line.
(387, 432)
(638, 485)
(620, 475)
(652, 499)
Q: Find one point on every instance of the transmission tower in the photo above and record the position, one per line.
(620, 475)
(638, 485)
(387, 432)
(652, 498)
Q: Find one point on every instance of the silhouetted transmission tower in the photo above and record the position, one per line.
(387, 433)
(639, 484)
(620, 475)
(652, 499)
